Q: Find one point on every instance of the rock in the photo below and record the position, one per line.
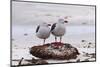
(93, 55)
(78, 60)
(39, 61)
(84, 23)
(83, 41)
(25, 34)
(47, 52)
(86, 60)
(48, 15)
(88, 46)
(90, 43)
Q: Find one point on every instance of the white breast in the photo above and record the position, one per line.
(59, 30)
(43, 33)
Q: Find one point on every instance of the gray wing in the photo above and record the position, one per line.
(53, 26)
(37, 29)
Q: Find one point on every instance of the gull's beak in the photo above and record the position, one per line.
(66, 21)
(49, 24)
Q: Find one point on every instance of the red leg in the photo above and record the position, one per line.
(55, 39)
(60, 38)
(44, 42)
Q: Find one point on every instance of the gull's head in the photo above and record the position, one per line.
(45, 24)
(62, 21)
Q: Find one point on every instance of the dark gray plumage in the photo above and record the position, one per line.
(58, 29)
(43, 31)
(37, 29)
(53, 26)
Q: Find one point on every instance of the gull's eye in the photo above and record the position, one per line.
(66, 21)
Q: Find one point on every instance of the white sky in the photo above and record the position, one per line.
(26, 13)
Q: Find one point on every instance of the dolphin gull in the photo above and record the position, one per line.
(58, 29)
(43, 31)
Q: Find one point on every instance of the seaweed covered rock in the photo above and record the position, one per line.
(59, 51)
(39, 61)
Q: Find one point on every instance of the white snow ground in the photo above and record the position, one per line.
(26, 16)
(74, 35)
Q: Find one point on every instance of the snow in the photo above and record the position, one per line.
(26, 17)
(22, 43)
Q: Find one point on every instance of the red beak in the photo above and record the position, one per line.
(66, 21)
(49, 24)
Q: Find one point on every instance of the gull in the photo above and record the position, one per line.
(43, 31)
(58, 29)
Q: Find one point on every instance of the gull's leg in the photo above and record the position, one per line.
(61, 41)
(44, 42)
(60, 38)
(55, 39)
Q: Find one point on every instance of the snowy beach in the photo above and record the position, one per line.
(74, 35)
(80, 31)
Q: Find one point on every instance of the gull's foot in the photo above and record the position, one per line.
(57, 45)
